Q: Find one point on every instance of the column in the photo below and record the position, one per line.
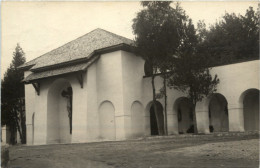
(236, 118)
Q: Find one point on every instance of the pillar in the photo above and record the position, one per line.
(172, 123)
(79, 112)
(202, 116)
(29, 134)
(235, 117)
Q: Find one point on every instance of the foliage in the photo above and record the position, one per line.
(158, 30)
(12, 96)
(233, 38)
(190, 73)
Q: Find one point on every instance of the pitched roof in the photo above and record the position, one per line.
(59, 71)
(80, 48)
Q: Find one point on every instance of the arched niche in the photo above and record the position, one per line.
(155, 124)
(218, 113)
(249, 101)
(137, 119)
(59, 118)
(183, 108)
(107, 121)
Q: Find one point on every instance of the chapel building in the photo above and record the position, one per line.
(94, 88)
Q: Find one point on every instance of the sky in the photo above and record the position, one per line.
(40, 27)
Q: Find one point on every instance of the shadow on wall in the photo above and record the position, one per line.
(249, 100)
(155, 125)
(218, 113)
(183, 109)
(58, 115)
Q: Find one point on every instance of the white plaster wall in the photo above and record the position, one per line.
(132, 74)
(234, 80)
(79, 108)
(110, 87)
(137, 119)
(93, 131)
(29, 108)
(40, 120)
(79, 114)
(57, 114)
(118, 77)
(53, 121)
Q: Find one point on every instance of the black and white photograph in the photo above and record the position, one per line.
(130, 84)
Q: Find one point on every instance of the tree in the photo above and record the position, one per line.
(157, 30)
(233, 38)
(190, 73)
(12, 98)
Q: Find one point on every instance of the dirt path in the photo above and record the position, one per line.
(203, 151)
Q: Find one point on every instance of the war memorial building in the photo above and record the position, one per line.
(94, 88)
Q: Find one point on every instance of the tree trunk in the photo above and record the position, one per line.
(17, 122)
(165, 105)
(194, 118)
(155, 108)
(21, 107)
(19, 129)
(12, 128)
(23, 125)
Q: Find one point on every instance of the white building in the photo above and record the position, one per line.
(111, 98)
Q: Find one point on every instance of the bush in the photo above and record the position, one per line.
(4, 156)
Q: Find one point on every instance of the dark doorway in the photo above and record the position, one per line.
(251, 110)
(153, 121)
(183, 108)
(218, 113)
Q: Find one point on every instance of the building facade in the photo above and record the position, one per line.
(94, 89)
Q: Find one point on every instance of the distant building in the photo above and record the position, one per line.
(94, 88)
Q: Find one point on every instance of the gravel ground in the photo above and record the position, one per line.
(180, 152)
(244, 149)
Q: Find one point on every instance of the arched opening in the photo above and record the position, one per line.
(183, 109)
(156, 125)
(59, 115)
(137, 119)
(218, 113)
(33, 116)
(250, 103)
(107, 121)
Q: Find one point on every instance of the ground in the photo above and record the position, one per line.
(215, 150)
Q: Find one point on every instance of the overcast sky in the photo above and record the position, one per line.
(42, 26)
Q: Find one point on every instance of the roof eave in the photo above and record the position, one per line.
(63, 74)
(49, 77)
(25, 68)
(121, 46)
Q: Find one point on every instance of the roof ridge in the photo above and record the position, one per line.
(115, 34)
